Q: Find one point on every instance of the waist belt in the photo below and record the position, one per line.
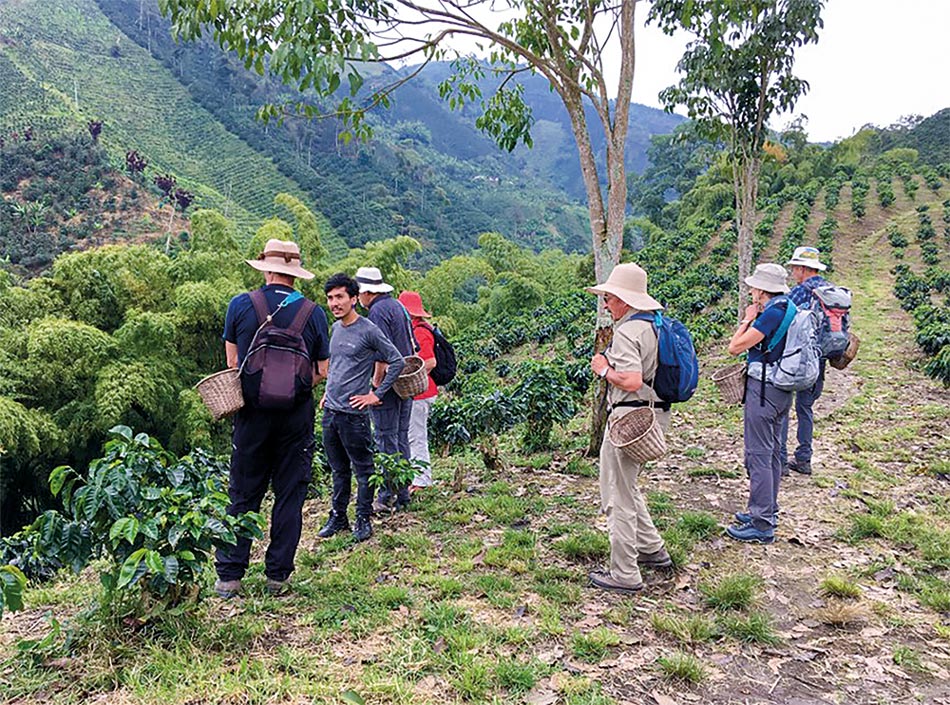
(661, 405)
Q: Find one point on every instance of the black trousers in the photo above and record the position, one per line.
(269, 448)
(348, 445)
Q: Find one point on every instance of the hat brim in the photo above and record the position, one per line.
(765, 285)
(639, 301)
(279, 268)
(419, 313)
(375, 288)
(810, 264)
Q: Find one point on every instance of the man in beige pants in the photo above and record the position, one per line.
(628, 366)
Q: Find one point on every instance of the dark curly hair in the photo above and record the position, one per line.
(341, 279)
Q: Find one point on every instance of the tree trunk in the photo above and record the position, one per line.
(746, 184)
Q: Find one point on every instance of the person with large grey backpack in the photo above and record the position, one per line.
(832, 306)
(782, 346)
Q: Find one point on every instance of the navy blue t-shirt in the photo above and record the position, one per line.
(241, 323)
(391, 318)
(767, 323)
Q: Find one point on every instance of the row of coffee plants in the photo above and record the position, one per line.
(917, 294)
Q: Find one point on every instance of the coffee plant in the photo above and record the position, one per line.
(544, 396)
(156, 518)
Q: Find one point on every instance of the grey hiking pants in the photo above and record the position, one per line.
(764, 423)
(804, 401)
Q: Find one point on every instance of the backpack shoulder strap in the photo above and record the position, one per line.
(259, 301)
(783, 327)
(303, 315)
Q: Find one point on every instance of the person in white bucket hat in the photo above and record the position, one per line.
(805, 266)
(630, 359)
(762, 333)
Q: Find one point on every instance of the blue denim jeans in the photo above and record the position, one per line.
(804, 401)
(269, 448)
(348, 445)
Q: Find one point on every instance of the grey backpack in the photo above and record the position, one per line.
(798, 368)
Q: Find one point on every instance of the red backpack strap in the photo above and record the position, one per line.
(303, 315)
(259, 302)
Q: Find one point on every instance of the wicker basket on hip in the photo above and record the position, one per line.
(638, 435)
(414, 378)
(731, 383)
(850, 352)
(221, 393)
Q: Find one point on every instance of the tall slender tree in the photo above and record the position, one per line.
(736, 74)
(316, 46)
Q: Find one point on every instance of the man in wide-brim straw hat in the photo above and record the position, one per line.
(628, 366)
(804, 266)
(273, 434)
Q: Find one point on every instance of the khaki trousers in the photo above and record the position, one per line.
(629, 525)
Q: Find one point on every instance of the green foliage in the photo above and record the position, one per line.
(732, 592)
(157, 518)
(544, 397)
(12, 584)
(683, 667)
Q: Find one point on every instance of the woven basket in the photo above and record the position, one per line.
(850, 352)
(414, 378)
(638, 434)
(731, 383)
(221, 393)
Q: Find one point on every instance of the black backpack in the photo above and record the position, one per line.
(277, 372)
(446, 365)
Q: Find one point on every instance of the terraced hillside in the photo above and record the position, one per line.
(65, 63)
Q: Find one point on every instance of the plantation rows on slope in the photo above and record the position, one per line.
(71, 51)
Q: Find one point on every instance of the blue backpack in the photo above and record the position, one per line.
(677, 368)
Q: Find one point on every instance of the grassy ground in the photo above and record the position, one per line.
(480, 595)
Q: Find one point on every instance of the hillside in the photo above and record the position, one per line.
(189, 110)
(477, 594)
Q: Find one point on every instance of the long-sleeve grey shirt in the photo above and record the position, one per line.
(354, 351)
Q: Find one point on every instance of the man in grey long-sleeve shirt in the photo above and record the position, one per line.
(356, 345)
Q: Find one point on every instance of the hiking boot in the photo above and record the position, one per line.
(277, 587)
(657, 559)
(226, 589)
(401, 505)
(743, 518)
(335, 524)
(802, 467)
(363, 529)
(749, 534)
(605, 581)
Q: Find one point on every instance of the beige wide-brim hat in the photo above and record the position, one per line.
(769, 277)
(280, 257)
(807, 257)
(371, 279)
(628, 282)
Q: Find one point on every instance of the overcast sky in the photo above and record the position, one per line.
(874, 62)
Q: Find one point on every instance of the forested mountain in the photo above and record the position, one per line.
(189, 110)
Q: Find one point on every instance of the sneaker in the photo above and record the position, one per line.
(335, 524)
(416, 488)
(401, 505)
(657, 559)
(277, 587)
(605, 581)
(743, 518)
(226, 589)
(749, 534)
(802, 467)
(363, 529)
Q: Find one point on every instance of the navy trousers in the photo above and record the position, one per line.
(269, 448)
(391, 423)
(804, 401)
(348, 444)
